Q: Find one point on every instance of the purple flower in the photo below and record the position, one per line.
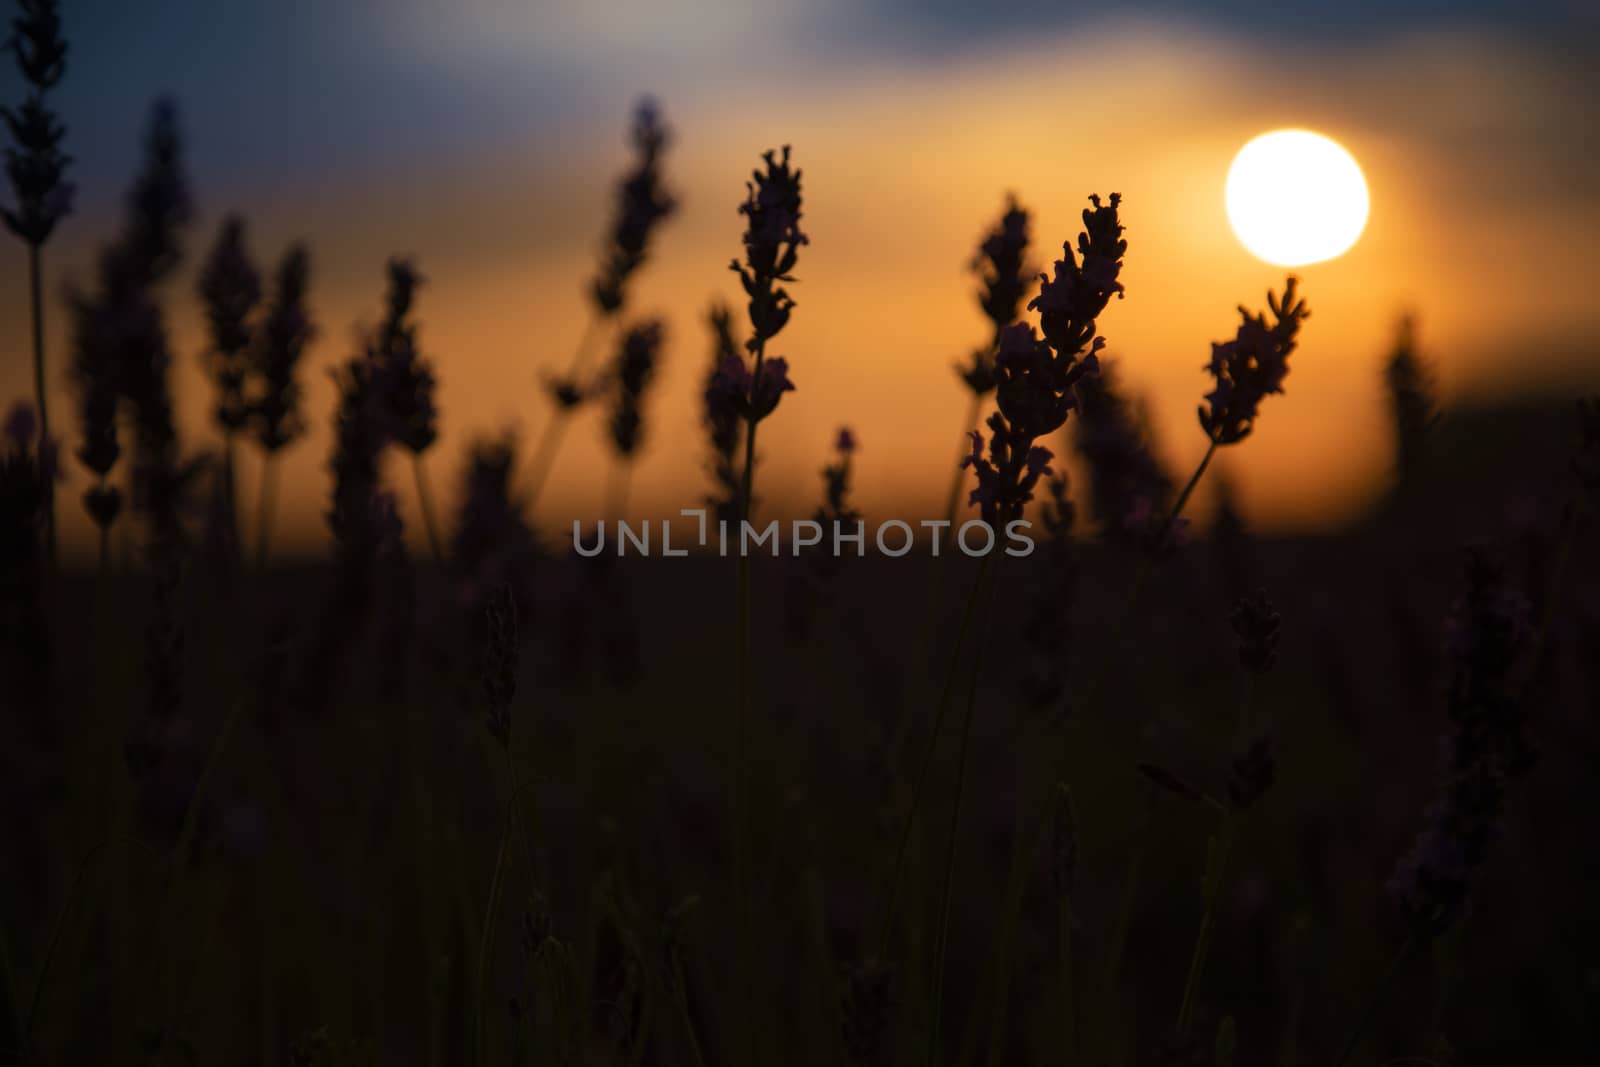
(769, 388)
(1251, 367)
(846, 442)
(643, 202)
(1069, 302)
(635, 367)
(280, 342)
(1001, 266)
(230, 289)
(772, 241)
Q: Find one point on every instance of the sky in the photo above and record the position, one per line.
(484, 138)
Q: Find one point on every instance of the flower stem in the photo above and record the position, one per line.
(425, 504)
(941, 941)
(741, 728)
(36, 299)
(1183, 497)
(555, 428)
(1379, 992)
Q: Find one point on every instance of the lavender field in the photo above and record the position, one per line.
(1001, 739)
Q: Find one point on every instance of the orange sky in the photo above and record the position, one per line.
(1477, 223)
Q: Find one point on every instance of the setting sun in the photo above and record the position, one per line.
(1295, 197)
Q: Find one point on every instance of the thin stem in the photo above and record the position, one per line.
(36, 299)
(267, 496)
(1188, 490)
(555, 428)
(741, 721)
(1379, 992)
(941, 942)
(922, 770)
(425, 504)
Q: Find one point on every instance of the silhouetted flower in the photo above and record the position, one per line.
(285, 332)
(359, 438)
(125, 338)
(1069, 302)
(635, 367)
(808, 577)
(1037, 379)
(643, 202)
(1006, 478)
(772, 240)
(1251, 367)
(230, 289)
(1003, 276)
(720, 416)
(1256, 623)
(405, 378)
(1001, 266)
(158, 206)
(1487, 639)
(1411, 403)
(35, 163)
(493, 545)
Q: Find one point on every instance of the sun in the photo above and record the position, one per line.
(1296, 197)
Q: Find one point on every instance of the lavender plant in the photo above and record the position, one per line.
(121, 352)
(643, 203)
(230, 289)
(36, 168)
(1003, 274)
(1035, 391)
(1411, 402)
(721, 419)
(406, 385)
(772, 243)
(635, 369)
(275, 418)
(27, 469)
